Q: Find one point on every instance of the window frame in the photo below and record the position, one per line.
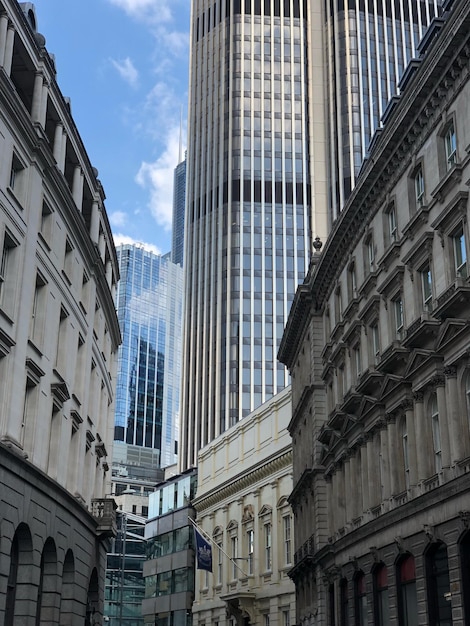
(450, 145)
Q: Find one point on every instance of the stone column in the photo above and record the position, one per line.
(347, 488)
(422, 451)
(385, 464)
(8, 59)
(413, 434)
(372, 472)
(353, 495)
(364, 478)
(45, 94)
(3, 36)
(393, 456)
(95, 222)
(443, 422)
(37, 97)
(457, 444)
(77, 187)
(109, 273)
(57, 148)
(63, 152)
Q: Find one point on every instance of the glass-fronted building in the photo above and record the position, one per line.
(149, 305)
(169, 568)
(179, 199)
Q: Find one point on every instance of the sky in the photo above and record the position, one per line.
(124, 65)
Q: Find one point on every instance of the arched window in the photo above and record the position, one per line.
(47, 607)
(381, 596)
(22, 570)
(438, 584)
(436, 433)
(360, 598)
(406, 587)
(344, 602)
(465, 571)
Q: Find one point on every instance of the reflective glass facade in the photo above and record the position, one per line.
(149, 305)
(179, 199)
(248, 214)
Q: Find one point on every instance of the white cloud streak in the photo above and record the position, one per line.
(127, 71)
(157, 178)
(125, 239)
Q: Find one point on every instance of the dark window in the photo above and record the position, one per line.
(344, 602)
(381, 596)
(407, 602)
(438, 584)
(360, 600)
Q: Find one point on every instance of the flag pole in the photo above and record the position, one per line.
(209, 538)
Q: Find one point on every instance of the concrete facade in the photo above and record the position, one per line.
(377, 346)
(58, 342)
(244, 480)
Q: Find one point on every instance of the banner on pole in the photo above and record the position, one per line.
(203, 552)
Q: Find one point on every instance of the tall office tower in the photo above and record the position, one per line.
(284, 98)
(149, 306)
(368, 46)
(179, 199)
(248, 207)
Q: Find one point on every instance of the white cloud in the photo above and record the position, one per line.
(127, 71)
(118, 219)
(157, 178)
(125, 239)
(155, 10)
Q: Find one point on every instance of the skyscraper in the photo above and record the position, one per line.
(284, 98)
(368, 46)
(149, 305)
(179, 198)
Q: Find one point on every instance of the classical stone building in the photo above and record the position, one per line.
(58, 341)
(377, 344)
(244, 479)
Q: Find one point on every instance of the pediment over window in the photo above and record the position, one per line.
(391, 384)
(419, 359)
(232, 526)
(33, 372)
(451, 330)
(59, 389)
(394, 358)
(265, 510)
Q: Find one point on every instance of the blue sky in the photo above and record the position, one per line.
(124, 64)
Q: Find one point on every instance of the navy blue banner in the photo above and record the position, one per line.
(203, 552)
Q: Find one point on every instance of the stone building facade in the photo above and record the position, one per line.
(377, 344)
(244, 480)
(58, 342)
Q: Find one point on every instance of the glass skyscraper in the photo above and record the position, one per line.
(149, 305)
(284, 99)
(179, 198)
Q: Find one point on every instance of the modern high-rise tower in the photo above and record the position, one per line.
(284, 99)
(179, 198)
(149, 306)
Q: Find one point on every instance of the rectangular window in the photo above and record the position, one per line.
(234, 544)
(267, 547)
(285, 618)
(47, 224)
(451, 147)
(375, 342)
(357, 360)
(250, 546)
(371, 254)
(398, 311)
(419, 188)
(17, 173)
(392, 224)
(460, 253)
(286, 520)
(266, 620)
(426, 284)
(38, 316)
(7, 273)
(219, 563)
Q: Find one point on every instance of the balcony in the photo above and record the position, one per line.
(104, 511)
